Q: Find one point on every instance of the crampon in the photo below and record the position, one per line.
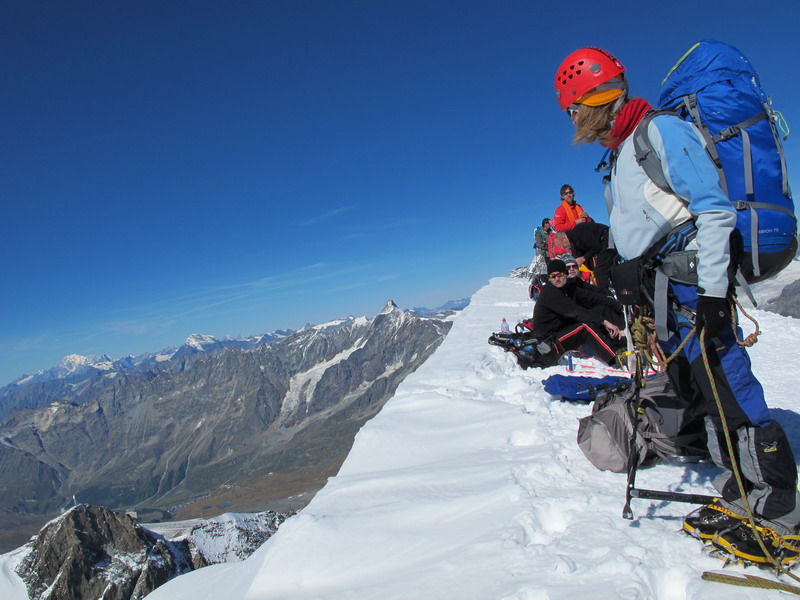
(738, 546)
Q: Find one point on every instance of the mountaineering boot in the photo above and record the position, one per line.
(708, 521)
(741, 542)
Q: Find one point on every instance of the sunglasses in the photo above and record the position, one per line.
(572, 110)
(571, 267)
(557, 275)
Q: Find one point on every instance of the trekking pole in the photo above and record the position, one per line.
(631, 491)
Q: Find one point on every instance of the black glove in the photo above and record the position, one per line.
(713, 315)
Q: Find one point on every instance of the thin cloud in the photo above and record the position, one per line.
(224, 299)
(325, 216)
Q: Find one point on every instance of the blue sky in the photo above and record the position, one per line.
(231, 168)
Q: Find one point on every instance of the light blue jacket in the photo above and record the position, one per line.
(642, 213)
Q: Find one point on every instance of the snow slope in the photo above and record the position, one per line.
(469, 485)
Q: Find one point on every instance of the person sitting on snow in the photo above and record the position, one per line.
(575, 320)
(612, 312)
(577, 277)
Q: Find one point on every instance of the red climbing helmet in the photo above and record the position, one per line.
(589, 76)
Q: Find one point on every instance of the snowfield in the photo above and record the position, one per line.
(469, 484)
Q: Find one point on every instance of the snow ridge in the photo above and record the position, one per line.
(469, 484)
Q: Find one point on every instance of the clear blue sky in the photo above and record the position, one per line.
(230, 168)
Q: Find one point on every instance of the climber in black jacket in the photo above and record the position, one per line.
(576, 319)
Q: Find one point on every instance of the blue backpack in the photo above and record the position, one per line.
(715, 87)
(572, 387)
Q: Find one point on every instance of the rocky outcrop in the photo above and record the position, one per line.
(90, 553)
(788, 303)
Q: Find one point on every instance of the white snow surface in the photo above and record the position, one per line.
(11, 585)
(302, 385)
(219, 539)
(469, 485)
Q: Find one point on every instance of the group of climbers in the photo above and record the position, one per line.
(547, 243)
(699, 322)
(574, 308)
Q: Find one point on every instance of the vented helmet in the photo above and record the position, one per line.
(589, 76)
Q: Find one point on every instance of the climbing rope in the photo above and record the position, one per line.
(643, 334)
(750, 581)
(751, 339)
(748, 342)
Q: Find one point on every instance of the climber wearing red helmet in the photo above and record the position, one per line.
(591, 85)
(589, 70)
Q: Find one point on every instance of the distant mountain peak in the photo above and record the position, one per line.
(198, 341)
(73, 362)
(390, 306)
(70, 361)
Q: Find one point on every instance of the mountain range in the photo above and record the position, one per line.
(216, 425)
(473, 469)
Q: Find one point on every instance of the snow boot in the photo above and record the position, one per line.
(707, 522)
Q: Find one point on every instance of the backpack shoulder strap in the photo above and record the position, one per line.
(645, 152)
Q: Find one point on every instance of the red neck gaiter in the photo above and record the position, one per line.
(627, 120)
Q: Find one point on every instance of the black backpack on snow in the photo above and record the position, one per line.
(529, 351)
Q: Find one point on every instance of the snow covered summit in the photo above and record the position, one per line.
(469, 484)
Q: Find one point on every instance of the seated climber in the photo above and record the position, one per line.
(577, 277)
(577, 318)
(611, 311)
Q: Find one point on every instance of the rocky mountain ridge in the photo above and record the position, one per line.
(242, 429)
